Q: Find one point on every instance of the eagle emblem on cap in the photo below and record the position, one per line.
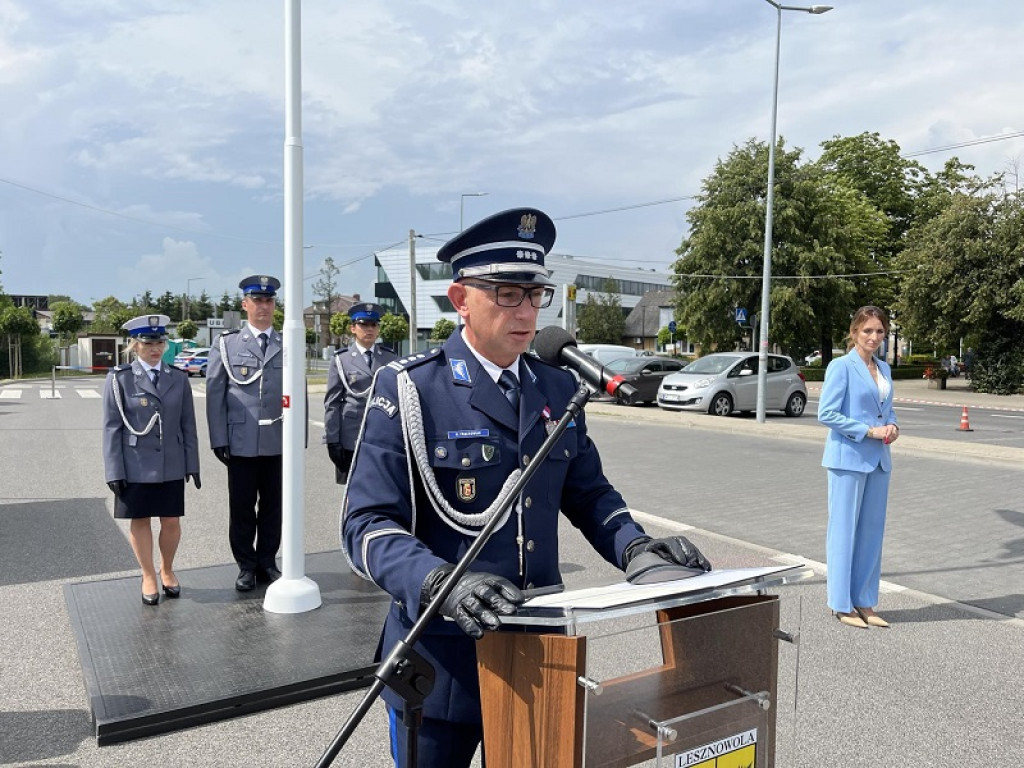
(264, 280)
(528, 226)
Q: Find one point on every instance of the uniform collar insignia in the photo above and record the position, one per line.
(460, 371)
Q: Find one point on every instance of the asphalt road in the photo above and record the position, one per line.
(941, 688)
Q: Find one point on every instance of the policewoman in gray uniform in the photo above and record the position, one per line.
(443, 433)
(244, 383)
(150, 446)
(348, 383)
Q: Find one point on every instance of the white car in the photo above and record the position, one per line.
(724, 382)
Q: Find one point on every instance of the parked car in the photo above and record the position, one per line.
(181, 359)
(193, 361)
(645, 373)
(724, 382)
(605, 353)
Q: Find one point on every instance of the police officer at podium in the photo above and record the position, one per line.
(442, 434)
(348, 383)
(244, 385)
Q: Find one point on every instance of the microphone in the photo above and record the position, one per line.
(557, 346)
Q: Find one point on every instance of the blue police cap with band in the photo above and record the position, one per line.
(508, 247)
(260, 285)
(147, 327)
(366, 311)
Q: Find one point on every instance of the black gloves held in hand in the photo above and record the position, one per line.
(671, 549)
(334, 450)
(223, 454)
(476, 600)
(116, 487)
(195, 480)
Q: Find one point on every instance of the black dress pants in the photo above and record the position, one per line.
(254, 499)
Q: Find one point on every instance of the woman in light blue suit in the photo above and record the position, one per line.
(856, 406)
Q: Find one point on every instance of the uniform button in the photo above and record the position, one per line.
(566, 453)
(530, 546)
(465, 461)
(528, 502)
(526, 460)
(441, 452)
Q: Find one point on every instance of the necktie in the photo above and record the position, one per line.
(263, 343)
(369, 358)
(510, 387)
(156, 377)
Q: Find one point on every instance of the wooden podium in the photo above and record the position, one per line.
(554, 697)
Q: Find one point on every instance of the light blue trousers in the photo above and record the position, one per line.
(853, 544)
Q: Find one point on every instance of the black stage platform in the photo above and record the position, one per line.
(214, 653)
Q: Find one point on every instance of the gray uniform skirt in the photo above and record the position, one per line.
(151, 500)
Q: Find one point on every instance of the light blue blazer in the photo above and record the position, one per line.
(849, 406)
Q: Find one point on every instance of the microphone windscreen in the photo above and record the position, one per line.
(549, 343)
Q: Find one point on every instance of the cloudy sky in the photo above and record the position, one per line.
(141, 142)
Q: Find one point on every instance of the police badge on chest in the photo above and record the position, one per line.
(466, 488)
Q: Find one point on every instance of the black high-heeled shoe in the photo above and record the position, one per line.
(151, 599)
(172, 592)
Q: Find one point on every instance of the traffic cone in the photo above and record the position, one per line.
(965, 425)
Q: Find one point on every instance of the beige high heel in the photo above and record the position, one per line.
(872, 619)
(852, 619)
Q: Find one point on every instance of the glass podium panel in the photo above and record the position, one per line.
(707, 685)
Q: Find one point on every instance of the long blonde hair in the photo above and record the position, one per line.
(861, 316)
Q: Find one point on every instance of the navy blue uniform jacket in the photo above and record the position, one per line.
(393, 534)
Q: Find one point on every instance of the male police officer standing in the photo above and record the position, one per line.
(244, 382)
(443, 432)
(348, 383)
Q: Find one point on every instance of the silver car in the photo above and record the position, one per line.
(724, 382)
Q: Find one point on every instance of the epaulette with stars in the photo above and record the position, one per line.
(405, 363)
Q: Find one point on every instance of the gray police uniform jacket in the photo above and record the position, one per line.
(148, 448)
(348, 383)
(395, 533)
(243, 393)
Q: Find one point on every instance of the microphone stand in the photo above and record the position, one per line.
(404, 670)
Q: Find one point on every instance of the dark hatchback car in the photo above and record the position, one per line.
(645, 373)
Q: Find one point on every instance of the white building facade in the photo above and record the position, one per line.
(395, 280)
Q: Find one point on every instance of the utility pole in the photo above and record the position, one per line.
(412, 291)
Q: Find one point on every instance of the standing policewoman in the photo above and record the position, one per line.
(150, 446)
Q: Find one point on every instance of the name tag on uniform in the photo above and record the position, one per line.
(457, 433)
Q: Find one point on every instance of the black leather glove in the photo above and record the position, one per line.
(671, 549)
(195, 480)
(476, 601)
(334, 450)
(116, 487)
(223, 454)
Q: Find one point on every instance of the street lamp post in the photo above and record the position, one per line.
(462, 201)
(766, 280)
(188, 291)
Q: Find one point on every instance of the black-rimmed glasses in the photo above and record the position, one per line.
(513, 295)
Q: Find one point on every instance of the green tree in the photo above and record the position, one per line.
(187, 329)
(394, 328)
(67, 319)
(442, 329)
(170, 305)
(965, 280)
(278, 318)
(226, 304)
(201, 308)
(339, 326)
(601, 320)
(16, 326)
(110, 314)
(824, 232)
(310, 337)
(325, 288)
